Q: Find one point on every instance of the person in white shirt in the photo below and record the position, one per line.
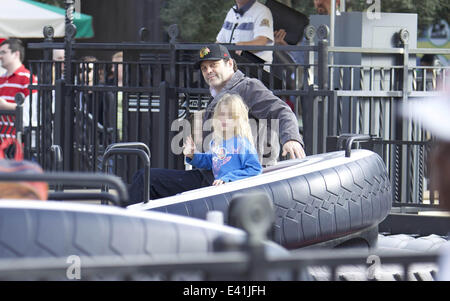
(249, 23)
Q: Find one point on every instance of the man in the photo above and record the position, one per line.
(218, 70)
(16, 79)
(323, 7)
(248, 23)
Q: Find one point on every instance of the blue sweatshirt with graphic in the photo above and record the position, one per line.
(234, 159)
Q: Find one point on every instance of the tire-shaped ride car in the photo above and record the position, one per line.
(30, 229)
(317, 199)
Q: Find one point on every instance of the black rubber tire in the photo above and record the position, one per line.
(54, 229)
(317, 206)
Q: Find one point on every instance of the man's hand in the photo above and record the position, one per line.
(279, 36)
(218, 182)
(294, 148)
(189, 147)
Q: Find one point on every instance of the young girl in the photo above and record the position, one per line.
(232, 155)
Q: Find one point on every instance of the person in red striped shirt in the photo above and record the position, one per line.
(17, 77)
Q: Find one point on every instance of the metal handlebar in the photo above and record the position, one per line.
(349, 139)
(141, 150)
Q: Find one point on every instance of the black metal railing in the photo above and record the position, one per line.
(233, 266)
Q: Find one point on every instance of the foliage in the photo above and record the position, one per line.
(198, 20)
(304, 6)
(444, 11)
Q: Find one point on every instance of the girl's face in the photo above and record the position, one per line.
(226, 120)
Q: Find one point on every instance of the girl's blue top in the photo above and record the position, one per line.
(234, 159)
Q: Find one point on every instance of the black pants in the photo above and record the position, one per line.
(168, 182)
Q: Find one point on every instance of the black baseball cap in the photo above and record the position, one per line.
(212, 52)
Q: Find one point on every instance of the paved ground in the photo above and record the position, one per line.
(399, 243)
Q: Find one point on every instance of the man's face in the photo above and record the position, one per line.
(217, 73)
(241, 3)
(8, 58)
(323, 7)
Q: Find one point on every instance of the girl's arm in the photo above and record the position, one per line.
(201, 160)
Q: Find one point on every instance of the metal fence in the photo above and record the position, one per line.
(369, 100)
(160, 85)
(250, 264)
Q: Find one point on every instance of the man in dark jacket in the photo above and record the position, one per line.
(218, 70)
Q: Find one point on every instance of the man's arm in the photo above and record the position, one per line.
(263, 104)
(5, 105)
(258, 41)
(264, 25)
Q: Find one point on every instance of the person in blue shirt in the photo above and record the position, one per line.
(232, 155)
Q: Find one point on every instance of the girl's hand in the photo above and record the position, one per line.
(218, 182)
(189, 147)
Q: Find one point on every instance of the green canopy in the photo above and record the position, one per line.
(27, 18)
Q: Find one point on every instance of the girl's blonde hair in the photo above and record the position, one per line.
(239, 113)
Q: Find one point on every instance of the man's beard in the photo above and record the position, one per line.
(321, 10)
(214, 81)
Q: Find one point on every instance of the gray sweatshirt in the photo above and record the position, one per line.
(262, 104)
